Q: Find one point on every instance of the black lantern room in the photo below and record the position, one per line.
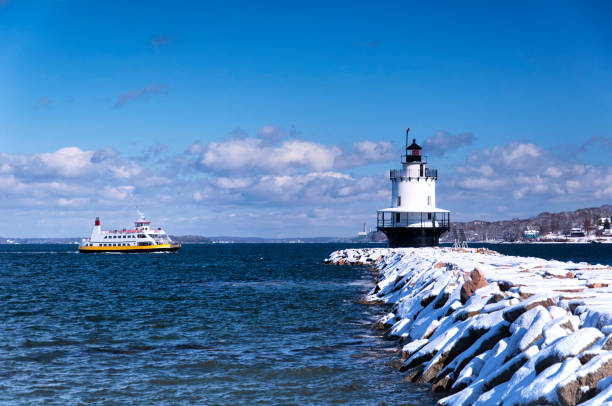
(413, 151)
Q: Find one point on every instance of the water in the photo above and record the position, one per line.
(591, 253)
(212, 324)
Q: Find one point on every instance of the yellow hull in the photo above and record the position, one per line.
(132, 248)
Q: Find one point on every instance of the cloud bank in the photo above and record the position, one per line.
(529, 179)
(276, 183)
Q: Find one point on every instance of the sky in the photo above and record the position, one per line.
(282, 119)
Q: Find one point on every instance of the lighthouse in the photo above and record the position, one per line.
(413, 220)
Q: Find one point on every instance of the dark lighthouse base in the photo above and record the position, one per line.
(412, 236)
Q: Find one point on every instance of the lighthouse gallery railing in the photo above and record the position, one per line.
(427, 220)
(402, 173)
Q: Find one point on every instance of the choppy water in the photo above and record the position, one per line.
(212, 324)
(591, 253)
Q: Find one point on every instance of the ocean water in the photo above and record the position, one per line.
(591, 253)
(212, 324)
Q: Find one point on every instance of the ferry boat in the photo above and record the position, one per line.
(142, 238)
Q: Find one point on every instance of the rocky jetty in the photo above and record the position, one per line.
(490, 329)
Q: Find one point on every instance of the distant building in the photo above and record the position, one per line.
(576, 232)
(413, 220)
(363, 234)
(604, 226)
(531, 234)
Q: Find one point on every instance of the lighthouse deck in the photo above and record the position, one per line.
(405, 173)
(404, 217)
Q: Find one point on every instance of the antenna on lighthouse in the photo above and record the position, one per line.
(407, 131)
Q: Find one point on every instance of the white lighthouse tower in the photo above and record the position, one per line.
(413, 220)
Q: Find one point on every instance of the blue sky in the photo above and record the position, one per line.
(278, 119)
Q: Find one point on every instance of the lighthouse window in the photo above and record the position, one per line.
(428, 216)
(397, 217)
(429, 200)
(422, 169)
(399, 200)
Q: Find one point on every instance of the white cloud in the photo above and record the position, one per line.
(272, 152)
(282, 179)
(270, 174)
(255, 154)
(528, 173)
(69, 162)
(76, 203)
(118, 192)
(517, 153)
(233, 183)
(126, 171)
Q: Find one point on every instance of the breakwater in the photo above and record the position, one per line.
(485, 328)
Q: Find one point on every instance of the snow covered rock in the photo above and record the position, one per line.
(582, 385)
(533, 332)
(476, 281)
(569, 346)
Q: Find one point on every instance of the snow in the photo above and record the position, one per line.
(516, 340)
(541, 390)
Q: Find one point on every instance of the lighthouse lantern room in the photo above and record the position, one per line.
(413, 220)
